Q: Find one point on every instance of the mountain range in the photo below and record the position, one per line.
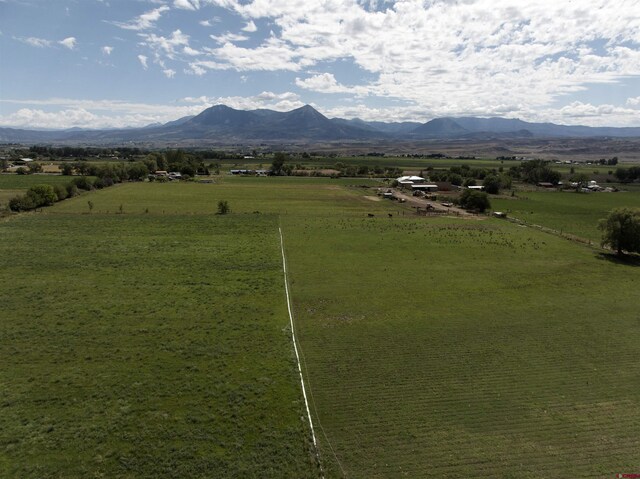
(222, 124)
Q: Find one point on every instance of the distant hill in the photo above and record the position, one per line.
(222, 124)
(440, 128)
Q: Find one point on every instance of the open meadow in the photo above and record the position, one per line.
(569, 212)
(141, 345)
(155, 343)
(13, 185)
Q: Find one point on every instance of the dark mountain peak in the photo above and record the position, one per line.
(222, 115)
(444, 127)
(307, 111)
(305, 117)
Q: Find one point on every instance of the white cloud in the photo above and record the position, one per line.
(210, 22)
(327, 83)
(36, 42)
(190, 51)
(120, 114)
(145, 21)
(634, 102)
(143, 61)
(472, 55)
(69, 42)
(165, 46)
(186, 4)
(169, 73)
(250, 27)
(229, 38)
(107, 50)
(270, 100)
(272, 55)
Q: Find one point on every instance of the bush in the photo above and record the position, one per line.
(42, 195)
(223, 207)
(61, 192)
(72, 190)
(21, 203)
(83, 183)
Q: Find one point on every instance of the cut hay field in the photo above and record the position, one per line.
(569, 212)
(157, 344)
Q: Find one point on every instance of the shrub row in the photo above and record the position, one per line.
(45, 195)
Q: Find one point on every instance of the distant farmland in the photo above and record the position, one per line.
(155, 343)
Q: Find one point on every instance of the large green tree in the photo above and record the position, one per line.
(474, 200)
(621, 230)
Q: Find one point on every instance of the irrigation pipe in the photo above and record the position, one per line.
(295, 348)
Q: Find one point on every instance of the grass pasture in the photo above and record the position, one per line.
(12, 185)
(569, 212)
(151, 346)
(446, 348)
(24, 182)
(156, 344)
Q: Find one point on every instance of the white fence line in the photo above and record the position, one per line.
(295, 348)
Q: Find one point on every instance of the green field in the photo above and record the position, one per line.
(573, 213)
(466, 349)
(12, 185)
(147, 346)
(18, 182)
(155, 343)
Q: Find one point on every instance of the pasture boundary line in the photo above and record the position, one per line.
(295, 348)
(555, 232)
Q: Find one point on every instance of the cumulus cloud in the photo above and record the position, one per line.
(190, 51)
(145, 21)
(274, 101)
(119, 114)
(143, 61)
(107, 50)
(210, 22)
(166, 46)
(633, 102)
(326, 83)
(250, 27)
(94, 113)
(186, 4)
(69, 42)
(228, 38)
(496, 55)
(169, 73)
(36, 42)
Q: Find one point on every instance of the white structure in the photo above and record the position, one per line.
(424, 187)
(409, 181)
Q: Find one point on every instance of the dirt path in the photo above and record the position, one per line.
(416, 201)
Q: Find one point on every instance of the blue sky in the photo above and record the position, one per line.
(116, 63)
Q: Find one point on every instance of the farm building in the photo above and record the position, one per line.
(479, 187)
(424, 187)
(23, 161)
(408, 181)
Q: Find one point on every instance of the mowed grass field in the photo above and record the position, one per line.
(573, 213)
(147, 346)
(431, 347)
